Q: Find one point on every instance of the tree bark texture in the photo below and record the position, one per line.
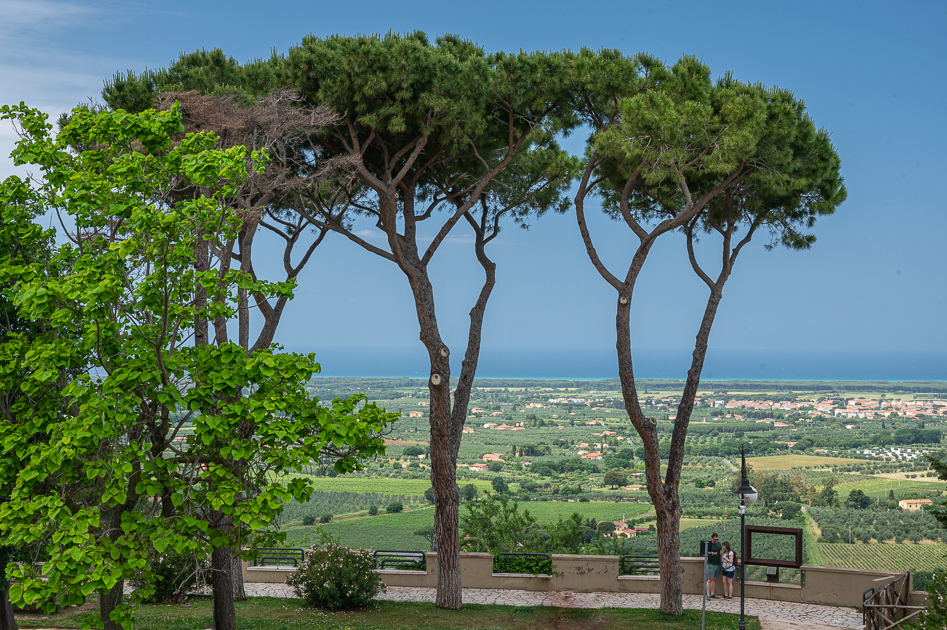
(225, 615)
(236, 578)
(443, 465)
(7, 621)
(111, 599)
(108, 601)
(669, 555)
(663, 495)
(446, 420)
(663, 492)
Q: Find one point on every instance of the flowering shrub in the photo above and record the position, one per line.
(935, 616)
(337, 577)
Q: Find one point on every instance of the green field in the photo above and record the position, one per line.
(885, 557)
(395, 531)
(688, 523)
(879, 488)
(785, 462)
(383, 485)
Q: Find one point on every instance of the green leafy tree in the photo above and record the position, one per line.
(496, 525)
(671, 152)
(615, 478)
(858, 499)
(468, 492)
(466, 136)
(430, 535)
(111, 486)
(566, 536)
(828, 496)
(939, 512)
(258, 116)
(395, 507)
(605, 527)
(499, 485)
(21, 244)
(790, 509)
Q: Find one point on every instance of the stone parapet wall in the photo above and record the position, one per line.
(827, 586)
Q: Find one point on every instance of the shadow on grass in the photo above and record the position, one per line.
(265, 613)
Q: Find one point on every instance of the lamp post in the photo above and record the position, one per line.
(748, 496)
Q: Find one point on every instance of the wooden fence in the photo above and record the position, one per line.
(888, 608)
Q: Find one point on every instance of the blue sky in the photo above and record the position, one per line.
(871, 73)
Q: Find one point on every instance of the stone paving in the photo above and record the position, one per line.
(773, 615)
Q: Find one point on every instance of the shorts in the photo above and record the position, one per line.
(713, 571)
(729, 574)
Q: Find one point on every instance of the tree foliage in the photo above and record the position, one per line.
(672, 152)
(157, 444)
(432, 128)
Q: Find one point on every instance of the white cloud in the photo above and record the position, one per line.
(24, 14)
(41, 69)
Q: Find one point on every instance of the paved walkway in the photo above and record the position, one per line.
(773, 615)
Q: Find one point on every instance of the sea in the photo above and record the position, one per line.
(660, 363)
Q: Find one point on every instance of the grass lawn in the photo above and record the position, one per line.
(264, 613)
(785, 462)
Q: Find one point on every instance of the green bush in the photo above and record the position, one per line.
(532, 565)
(394, 508)
(175, 575)
(373, 510)
(468, 492)
(325, 518)
(309, 519)
(935, 615)
(336, 577)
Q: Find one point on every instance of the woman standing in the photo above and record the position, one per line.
(728, 560)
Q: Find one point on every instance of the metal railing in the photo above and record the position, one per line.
(279, 556)
(639, 565)
(400, 559)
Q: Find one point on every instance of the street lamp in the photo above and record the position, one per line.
(748, 496)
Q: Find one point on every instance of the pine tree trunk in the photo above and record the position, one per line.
(446, 517)
(669, 558)
(443, 474)
(225, 615)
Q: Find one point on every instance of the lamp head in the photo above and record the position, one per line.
(747, 493)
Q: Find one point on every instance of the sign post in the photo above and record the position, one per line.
(705, 552)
